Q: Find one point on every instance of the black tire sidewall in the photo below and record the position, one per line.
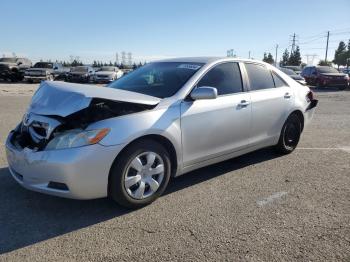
(281, 146)
(117, 190)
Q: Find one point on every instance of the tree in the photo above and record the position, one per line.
(268, 58)
(295, 57)
(110, 63)
(340, 55)
(94, 64)
(285, 58)
(324, 63)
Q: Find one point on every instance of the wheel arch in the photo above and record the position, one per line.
(300, 115)
(168, 145)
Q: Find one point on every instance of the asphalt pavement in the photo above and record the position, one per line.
(258, 207)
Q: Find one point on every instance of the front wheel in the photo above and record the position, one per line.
(140, 175)
(290, 135)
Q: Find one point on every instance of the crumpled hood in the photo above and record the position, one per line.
(62, 99)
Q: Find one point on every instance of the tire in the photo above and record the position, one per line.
(123, 171)
(290, 135)
(342, 87)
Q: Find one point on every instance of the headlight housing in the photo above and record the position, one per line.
(77, 138)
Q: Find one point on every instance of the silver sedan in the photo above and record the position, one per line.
(162, 120)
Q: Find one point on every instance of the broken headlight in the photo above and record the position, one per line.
(77, 138)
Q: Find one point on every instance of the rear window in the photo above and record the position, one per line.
(259, 77)
(279, 82)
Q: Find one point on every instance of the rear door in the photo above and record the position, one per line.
(271, 99)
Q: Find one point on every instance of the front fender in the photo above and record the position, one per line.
(127, 128)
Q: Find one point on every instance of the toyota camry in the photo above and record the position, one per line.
(126, 140)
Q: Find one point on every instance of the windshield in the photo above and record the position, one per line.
(108, 68)
(79, 69)
(8, 60)
(159, 79)
(43, 65)
(327, 69)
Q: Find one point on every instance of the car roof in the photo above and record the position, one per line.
(207, 59)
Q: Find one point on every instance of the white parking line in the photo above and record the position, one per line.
(344, 148)
(271, 198)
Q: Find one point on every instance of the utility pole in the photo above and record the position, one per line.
(325, 59)
(276, 55)
(249, 55)
(293, 43)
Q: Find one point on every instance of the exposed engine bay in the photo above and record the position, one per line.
(36, 131)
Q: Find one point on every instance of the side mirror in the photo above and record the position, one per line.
(55, 68)
(19, 63)
(204, 92)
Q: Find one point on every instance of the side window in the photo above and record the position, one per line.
(226, 78)
(259, 77)
(279, 82)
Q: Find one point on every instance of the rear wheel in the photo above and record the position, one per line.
(341, 87)
(290, 135)
(140, 175)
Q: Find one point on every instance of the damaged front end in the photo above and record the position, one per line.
(55, 125)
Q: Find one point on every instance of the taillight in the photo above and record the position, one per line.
(310, 96)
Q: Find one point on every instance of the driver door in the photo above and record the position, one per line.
(214, 127)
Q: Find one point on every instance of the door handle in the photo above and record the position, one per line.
(287, 95)
(244, 103)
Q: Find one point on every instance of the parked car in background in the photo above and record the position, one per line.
(293, 75)
(346, 71)
(81, 74)
(321, 76)
(296, 69)
(12, 68)
(43, 71)
(162, 120)
(107, 74)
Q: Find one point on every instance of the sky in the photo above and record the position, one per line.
(156, 29)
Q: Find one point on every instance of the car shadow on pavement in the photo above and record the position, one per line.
(28, 217)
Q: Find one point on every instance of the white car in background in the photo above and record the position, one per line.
(108, 74)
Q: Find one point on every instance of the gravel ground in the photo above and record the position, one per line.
(258, 207)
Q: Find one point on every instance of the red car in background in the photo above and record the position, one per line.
(321, 76)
